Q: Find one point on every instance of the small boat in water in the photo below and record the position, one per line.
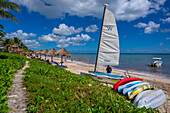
(157, 62)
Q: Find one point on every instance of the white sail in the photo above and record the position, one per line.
(109, 43)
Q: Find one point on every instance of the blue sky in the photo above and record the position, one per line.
(143, 25)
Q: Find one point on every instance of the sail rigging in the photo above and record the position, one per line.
(108, 49)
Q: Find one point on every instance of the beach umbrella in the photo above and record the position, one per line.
(63, 52)
(44, 52)
(51, 53)
(14, 47)
(39, 52)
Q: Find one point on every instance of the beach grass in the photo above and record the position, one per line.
(9, 64)
(53, 89)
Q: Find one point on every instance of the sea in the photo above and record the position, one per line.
(135, 63)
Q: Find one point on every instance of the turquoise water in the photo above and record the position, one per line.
(136, 62)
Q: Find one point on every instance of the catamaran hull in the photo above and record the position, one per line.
(104, 79)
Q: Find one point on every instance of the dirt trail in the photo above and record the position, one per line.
(17, 94)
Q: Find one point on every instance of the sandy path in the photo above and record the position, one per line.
(17, 94)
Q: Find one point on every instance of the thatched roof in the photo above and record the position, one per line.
(19, 49)
(51, 52)
(44, 52)
(14, 46)
(38, 52)
(63, 52)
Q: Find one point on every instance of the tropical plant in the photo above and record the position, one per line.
(2, 33)
(17, 40)
(5, 6)
(7, 43)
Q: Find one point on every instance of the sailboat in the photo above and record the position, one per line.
(108, 49)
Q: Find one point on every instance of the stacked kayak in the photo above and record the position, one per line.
(141, 92)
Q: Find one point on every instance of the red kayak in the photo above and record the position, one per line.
(124, 81)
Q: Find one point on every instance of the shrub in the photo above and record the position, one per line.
(53, 89)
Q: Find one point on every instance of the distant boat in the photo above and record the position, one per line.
(157, 62)
(108, 49)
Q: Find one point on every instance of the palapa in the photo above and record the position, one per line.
(51, 53)
(39, 52)
(36, 52)
(63, 52)
(44, 52)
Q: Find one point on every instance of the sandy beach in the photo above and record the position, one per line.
(159, 83)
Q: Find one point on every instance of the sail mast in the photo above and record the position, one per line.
(105, 5)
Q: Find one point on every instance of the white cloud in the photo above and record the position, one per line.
(165, 30)
(50, 38)
(64, 30)
(168, 14)
(168, 38)
(141, 25)
(149, 28)
(19, 34)
(124, 9)
(31, 43)
(58, 35)
(91, 28)
(75, 41)
(167, 20)
(23, 37)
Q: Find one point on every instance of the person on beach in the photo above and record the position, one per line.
(109, 69)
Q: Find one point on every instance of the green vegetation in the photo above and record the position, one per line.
(7, 43)
(5, 7)
(53, 89)
(9, 64)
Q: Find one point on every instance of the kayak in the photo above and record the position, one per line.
(126, 90)
(139, 89)
(122, 87)
(150, 98)
(124, 81)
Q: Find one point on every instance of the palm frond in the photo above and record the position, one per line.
(9, 5)
(1, 26)
(2, 33)
(6, 14)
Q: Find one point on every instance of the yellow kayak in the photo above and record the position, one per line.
(139, 89)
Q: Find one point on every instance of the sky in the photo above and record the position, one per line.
(143, 25)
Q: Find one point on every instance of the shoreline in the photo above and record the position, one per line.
(136, 73)
(158, 83)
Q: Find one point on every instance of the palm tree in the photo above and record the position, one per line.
(2, 33)
(5, 6)
(17, 40)
(7, 43)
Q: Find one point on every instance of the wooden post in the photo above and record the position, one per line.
(61, 60)
(28, 53)
(51, 58)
